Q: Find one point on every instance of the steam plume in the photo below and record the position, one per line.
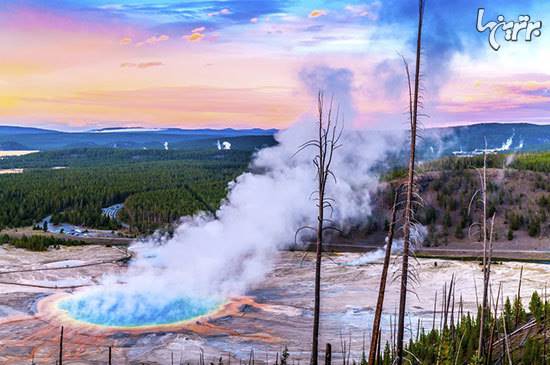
(224, 257)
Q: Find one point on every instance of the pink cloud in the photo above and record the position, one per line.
(221, 12)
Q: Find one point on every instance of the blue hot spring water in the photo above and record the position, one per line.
(133, 310)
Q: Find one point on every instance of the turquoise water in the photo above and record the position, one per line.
(133, 310)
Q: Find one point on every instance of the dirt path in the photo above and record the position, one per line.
(452, 253)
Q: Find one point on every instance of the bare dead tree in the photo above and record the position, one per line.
(326, 142)
(484, 305)
(328, 354)
(544, 327)
(517, 303)
(488, 283)
(345, 348)
(506, 343)
(60, 361)
(487, 251)
(494, 328)
(383, 279)
(413, 108)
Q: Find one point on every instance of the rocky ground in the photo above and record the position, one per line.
(275, 313)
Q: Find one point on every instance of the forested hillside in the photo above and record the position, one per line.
(539, 161)
(157, 186)
(518, 195)
(93, 157)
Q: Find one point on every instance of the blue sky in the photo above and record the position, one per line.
(240, 63)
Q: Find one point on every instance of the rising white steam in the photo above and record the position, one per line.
(223, 257)
(506, 145)
(418, 235)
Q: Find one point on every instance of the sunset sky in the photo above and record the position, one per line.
(77, 65)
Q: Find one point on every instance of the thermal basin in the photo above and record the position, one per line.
(121, 309)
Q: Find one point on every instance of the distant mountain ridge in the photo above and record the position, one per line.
(201, 131)
(14, 130)
(435, 142)
(130, 137)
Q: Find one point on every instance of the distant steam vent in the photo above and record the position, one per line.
(225, 145)
(506, 146)
(166, 146)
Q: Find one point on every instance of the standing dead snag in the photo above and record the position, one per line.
(383, 278)
(326, 142)
(413, 110)
(487, 253)
(60, 361)
(484, 307)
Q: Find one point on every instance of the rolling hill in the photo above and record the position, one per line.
(471, 139)
(132, 138)
(435, 142)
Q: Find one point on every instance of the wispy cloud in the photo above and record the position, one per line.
(225, 11)
(141, 64)
(125, 41)
(363, 10)
(153, 40)
(194, 106)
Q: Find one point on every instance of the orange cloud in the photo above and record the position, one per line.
(126, 40)
(317, 13)
(194, 37)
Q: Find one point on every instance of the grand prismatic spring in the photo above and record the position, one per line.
(148, 312)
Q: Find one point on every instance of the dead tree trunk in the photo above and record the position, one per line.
(544, 327)
(328, 354)
(383, 279)
(484, 306)
(517, 304)
(318, 258)
(410, 183)
(493, 329)
(326, 142)
(60, 361)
